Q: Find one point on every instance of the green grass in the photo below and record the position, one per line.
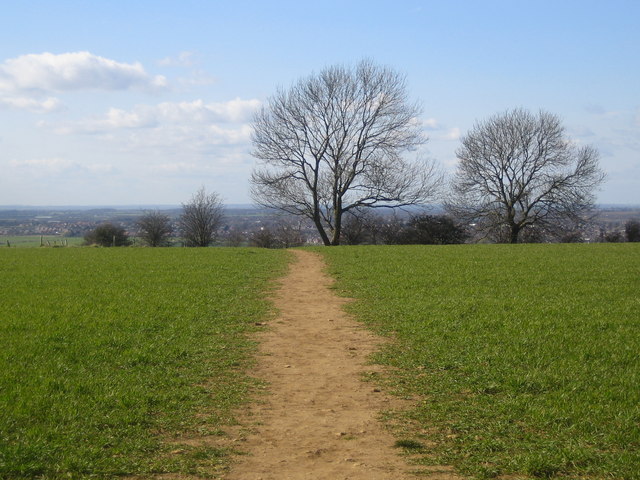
(524, 359)
(34, 241)
(109, 356)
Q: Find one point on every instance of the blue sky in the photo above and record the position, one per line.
(141, 103)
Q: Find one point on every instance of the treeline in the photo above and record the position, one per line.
(360, 228)
(369, 228)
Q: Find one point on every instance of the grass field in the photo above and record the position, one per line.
(109, 356)
(525, 358)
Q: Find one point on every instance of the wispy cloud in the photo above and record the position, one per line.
(582, 132)
(453, 134)
(225, 161)
(183, 59)
(189, 61)
(600, 111)
(43, 167)
(595, 109)
(197, 78)
(431, 124)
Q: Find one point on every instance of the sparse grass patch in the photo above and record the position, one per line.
(526, 357)
(37, 240)
(109, 355)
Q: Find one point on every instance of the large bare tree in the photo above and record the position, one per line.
(335, 142)
(201, 218)
(518, 172)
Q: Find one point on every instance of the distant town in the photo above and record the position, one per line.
(241, 222)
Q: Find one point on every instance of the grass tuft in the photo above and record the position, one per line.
(408, 444)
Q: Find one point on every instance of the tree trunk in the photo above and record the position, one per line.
(515, 231)
(321, 231)
(337, 222)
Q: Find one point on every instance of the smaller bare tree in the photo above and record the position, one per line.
(518, 172)
(155, 228)
(201, 218)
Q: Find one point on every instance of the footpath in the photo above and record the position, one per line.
(318, 419)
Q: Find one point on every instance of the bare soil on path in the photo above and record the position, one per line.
(318, 419)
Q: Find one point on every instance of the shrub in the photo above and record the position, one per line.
(433, 230)
(107, 235)
(632, 231)
(155, 229)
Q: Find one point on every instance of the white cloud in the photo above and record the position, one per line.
(180, 114)
(47, 105)
(48, 72)
(178, 139)
(230, 136)
(233, 111)
(193, 126)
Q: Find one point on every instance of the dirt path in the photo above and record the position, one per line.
(318, 419)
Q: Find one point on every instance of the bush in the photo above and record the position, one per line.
(612, 237)
(575, 236)
(155, 229)
(632, 231)
(264, 237)
(107, 235)
(433, 230)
